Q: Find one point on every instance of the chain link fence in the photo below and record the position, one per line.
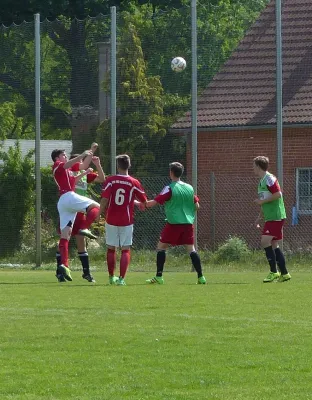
(75, 110)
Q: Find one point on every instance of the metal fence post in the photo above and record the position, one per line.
(279, 91)
(113, 88)
(37, 142)
(213, 210)
(194, 105)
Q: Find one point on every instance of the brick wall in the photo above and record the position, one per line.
(228, 155)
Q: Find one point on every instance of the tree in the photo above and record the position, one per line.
(140, 120)
(16, 177)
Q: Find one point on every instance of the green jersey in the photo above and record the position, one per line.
(180, 208)
(274, 210)
(82, 185)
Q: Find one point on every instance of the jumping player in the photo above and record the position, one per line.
(82, 189)
(70, 202)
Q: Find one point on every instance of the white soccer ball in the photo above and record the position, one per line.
(178, 64)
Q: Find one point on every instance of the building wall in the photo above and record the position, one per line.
(228, 155)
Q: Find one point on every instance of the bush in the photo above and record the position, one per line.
(234, 249)
(17, 197)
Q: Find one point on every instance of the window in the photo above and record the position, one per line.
(304, 190)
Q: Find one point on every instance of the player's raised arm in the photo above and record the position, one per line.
(76, 160)
(101, 176)
(88, 154)
(78, 177)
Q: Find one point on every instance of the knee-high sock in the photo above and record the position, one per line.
(63, 248)
(90, 218)
(84, 259)
(196, 263)
(270, 255)
(280, 260)
(124, 262)
(160, 261)
(58, 259)
(111, 261)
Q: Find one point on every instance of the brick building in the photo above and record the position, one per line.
(237, 121)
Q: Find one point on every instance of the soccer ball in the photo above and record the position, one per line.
(178, 64)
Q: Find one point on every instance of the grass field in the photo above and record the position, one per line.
(235, 338)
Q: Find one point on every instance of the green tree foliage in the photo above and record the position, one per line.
(69, 56)
(16, 197)
(140, 120)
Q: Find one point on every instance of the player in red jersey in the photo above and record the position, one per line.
(82, 189)
(70, 202)
(118, 198)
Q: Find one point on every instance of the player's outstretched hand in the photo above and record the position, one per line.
(87, 153)
(96, 160)
(94, 147)
(142, 207)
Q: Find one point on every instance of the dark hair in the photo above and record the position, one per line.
(73, 156)
(123, 162)
(56, 153)
(176, 168)
(262, 162)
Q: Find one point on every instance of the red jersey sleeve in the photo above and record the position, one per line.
(196, 199)
(164, 195)
(107, 189)
(91, 177)
(273, 185)
(139, 192)
(57, 165)
(76, 167)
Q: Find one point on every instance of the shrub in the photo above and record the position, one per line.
(234, 249)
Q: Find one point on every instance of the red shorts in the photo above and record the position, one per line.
(177, 234)
(273, 228)
(80, 218)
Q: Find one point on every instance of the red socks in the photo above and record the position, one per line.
(63, 249)
(90, 218)
(124, 262)
(111, 261)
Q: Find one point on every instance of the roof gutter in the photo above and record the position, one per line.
(237, 128)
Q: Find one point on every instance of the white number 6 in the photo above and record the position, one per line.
(119, 197)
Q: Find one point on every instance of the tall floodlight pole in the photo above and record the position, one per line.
(279, 91)
(37, 141)
(113, 88)
(194, 102)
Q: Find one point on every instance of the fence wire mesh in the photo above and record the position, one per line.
(151, 99)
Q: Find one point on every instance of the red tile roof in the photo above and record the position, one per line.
(243, 92)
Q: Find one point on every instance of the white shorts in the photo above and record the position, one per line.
(118, 236)
(69, 204)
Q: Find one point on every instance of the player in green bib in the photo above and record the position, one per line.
(270, 199)
(181, 205)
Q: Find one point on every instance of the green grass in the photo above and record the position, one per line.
(235, 338)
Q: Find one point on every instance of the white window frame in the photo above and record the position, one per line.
(302, 212)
